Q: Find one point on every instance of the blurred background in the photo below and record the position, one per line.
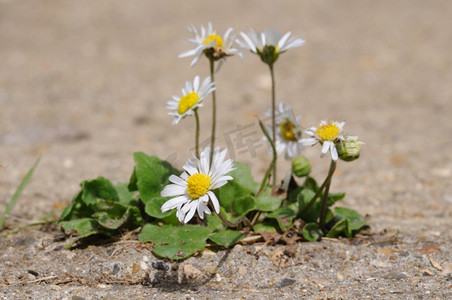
(84, 84)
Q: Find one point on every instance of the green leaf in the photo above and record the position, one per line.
(153, 209)
(113, 215)
(284, 216)
(84, 227)
(343, 226)
(265, 227)
(355, 218)
(312, 232)
(151, 175)
(133, 181)
(244, 205)
(214, 222)
(99, 188)
(329, 216)
(293, 196)
(125, 196)
(154, 205)
(77, 209)
(226, 238)
(310, 184)
(175, 242)
(334, 197)
(19, 190)
(313, 213)
(268, 203)
(242, 185)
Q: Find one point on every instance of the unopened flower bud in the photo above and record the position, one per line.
(269, 54)
(301, 166)
(348, 149)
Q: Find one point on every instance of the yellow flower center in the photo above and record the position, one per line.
(287, 131)
(197, 185)
(214, 37)
(328, 132)
(187, 102)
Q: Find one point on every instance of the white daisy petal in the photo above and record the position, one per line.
(216, 204)
(248, 42)
(191, 213)
(325, 147)
(173, 203)
(283, 40)
(334, 155)
(177, 180)
(172, 190)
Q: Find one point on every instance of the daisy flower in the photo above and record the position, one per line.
(207, 41)
(288, 131)
(268, 44)
(327, 134)
(193, 189)
(192, 96)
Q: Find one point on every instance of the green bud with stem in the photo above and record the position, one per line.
(349, 148)
(301, 166)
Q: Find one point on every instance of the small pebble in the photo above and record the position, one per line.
(143, 265)
(115, 269)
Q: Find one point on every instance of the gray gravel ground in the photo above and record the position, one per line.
(84, 84)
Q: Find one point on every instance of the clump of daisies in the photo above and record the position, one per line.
(215, 198)
(193, 190)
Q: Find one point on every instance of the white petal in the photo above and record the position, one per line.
(308, 142)
(283, 40)
(177, 180)
(173, 203)
(248, 41)
(200, 209)
(172, 190)
(190, 167)
(204, 163)
(325, 147)
(218, 184)
(227, 33)
(196, 84)
(195, 60)
(180, 215)
(192, 211)
(188, 53)
(216, 204)
(333, 151)
(293, 44)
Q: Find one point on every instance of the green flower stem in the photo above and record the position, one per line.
(197, 133)
(272, 163)
(273, 120)
(325, 195)
(214, 108)
(319, 192)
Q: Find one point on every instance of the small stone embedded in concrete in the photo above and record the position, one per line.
(115, 269)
